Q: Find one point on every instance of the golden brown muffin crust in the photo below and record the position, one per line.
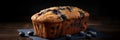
(57, 14)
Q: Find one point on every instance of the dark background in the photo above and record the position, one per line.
(105, 12)
(21, 10)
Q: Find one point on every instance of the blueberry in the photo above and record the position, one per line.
(69, 8)
(44, 12)
(48, 10)
(68, 36)
(56, 11)
(63, 17)
(82, 33)
(39, 14)
(81, 14)
(88, 36)
(22, 34)
(94, 34)
(30, 33)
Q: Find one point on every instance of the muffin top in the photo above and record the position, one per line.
(58, 14)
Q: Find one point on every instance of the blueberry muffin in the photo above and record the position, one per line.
(58, 21)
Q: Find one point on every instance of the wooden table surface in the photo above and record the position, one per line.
(8, 30)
